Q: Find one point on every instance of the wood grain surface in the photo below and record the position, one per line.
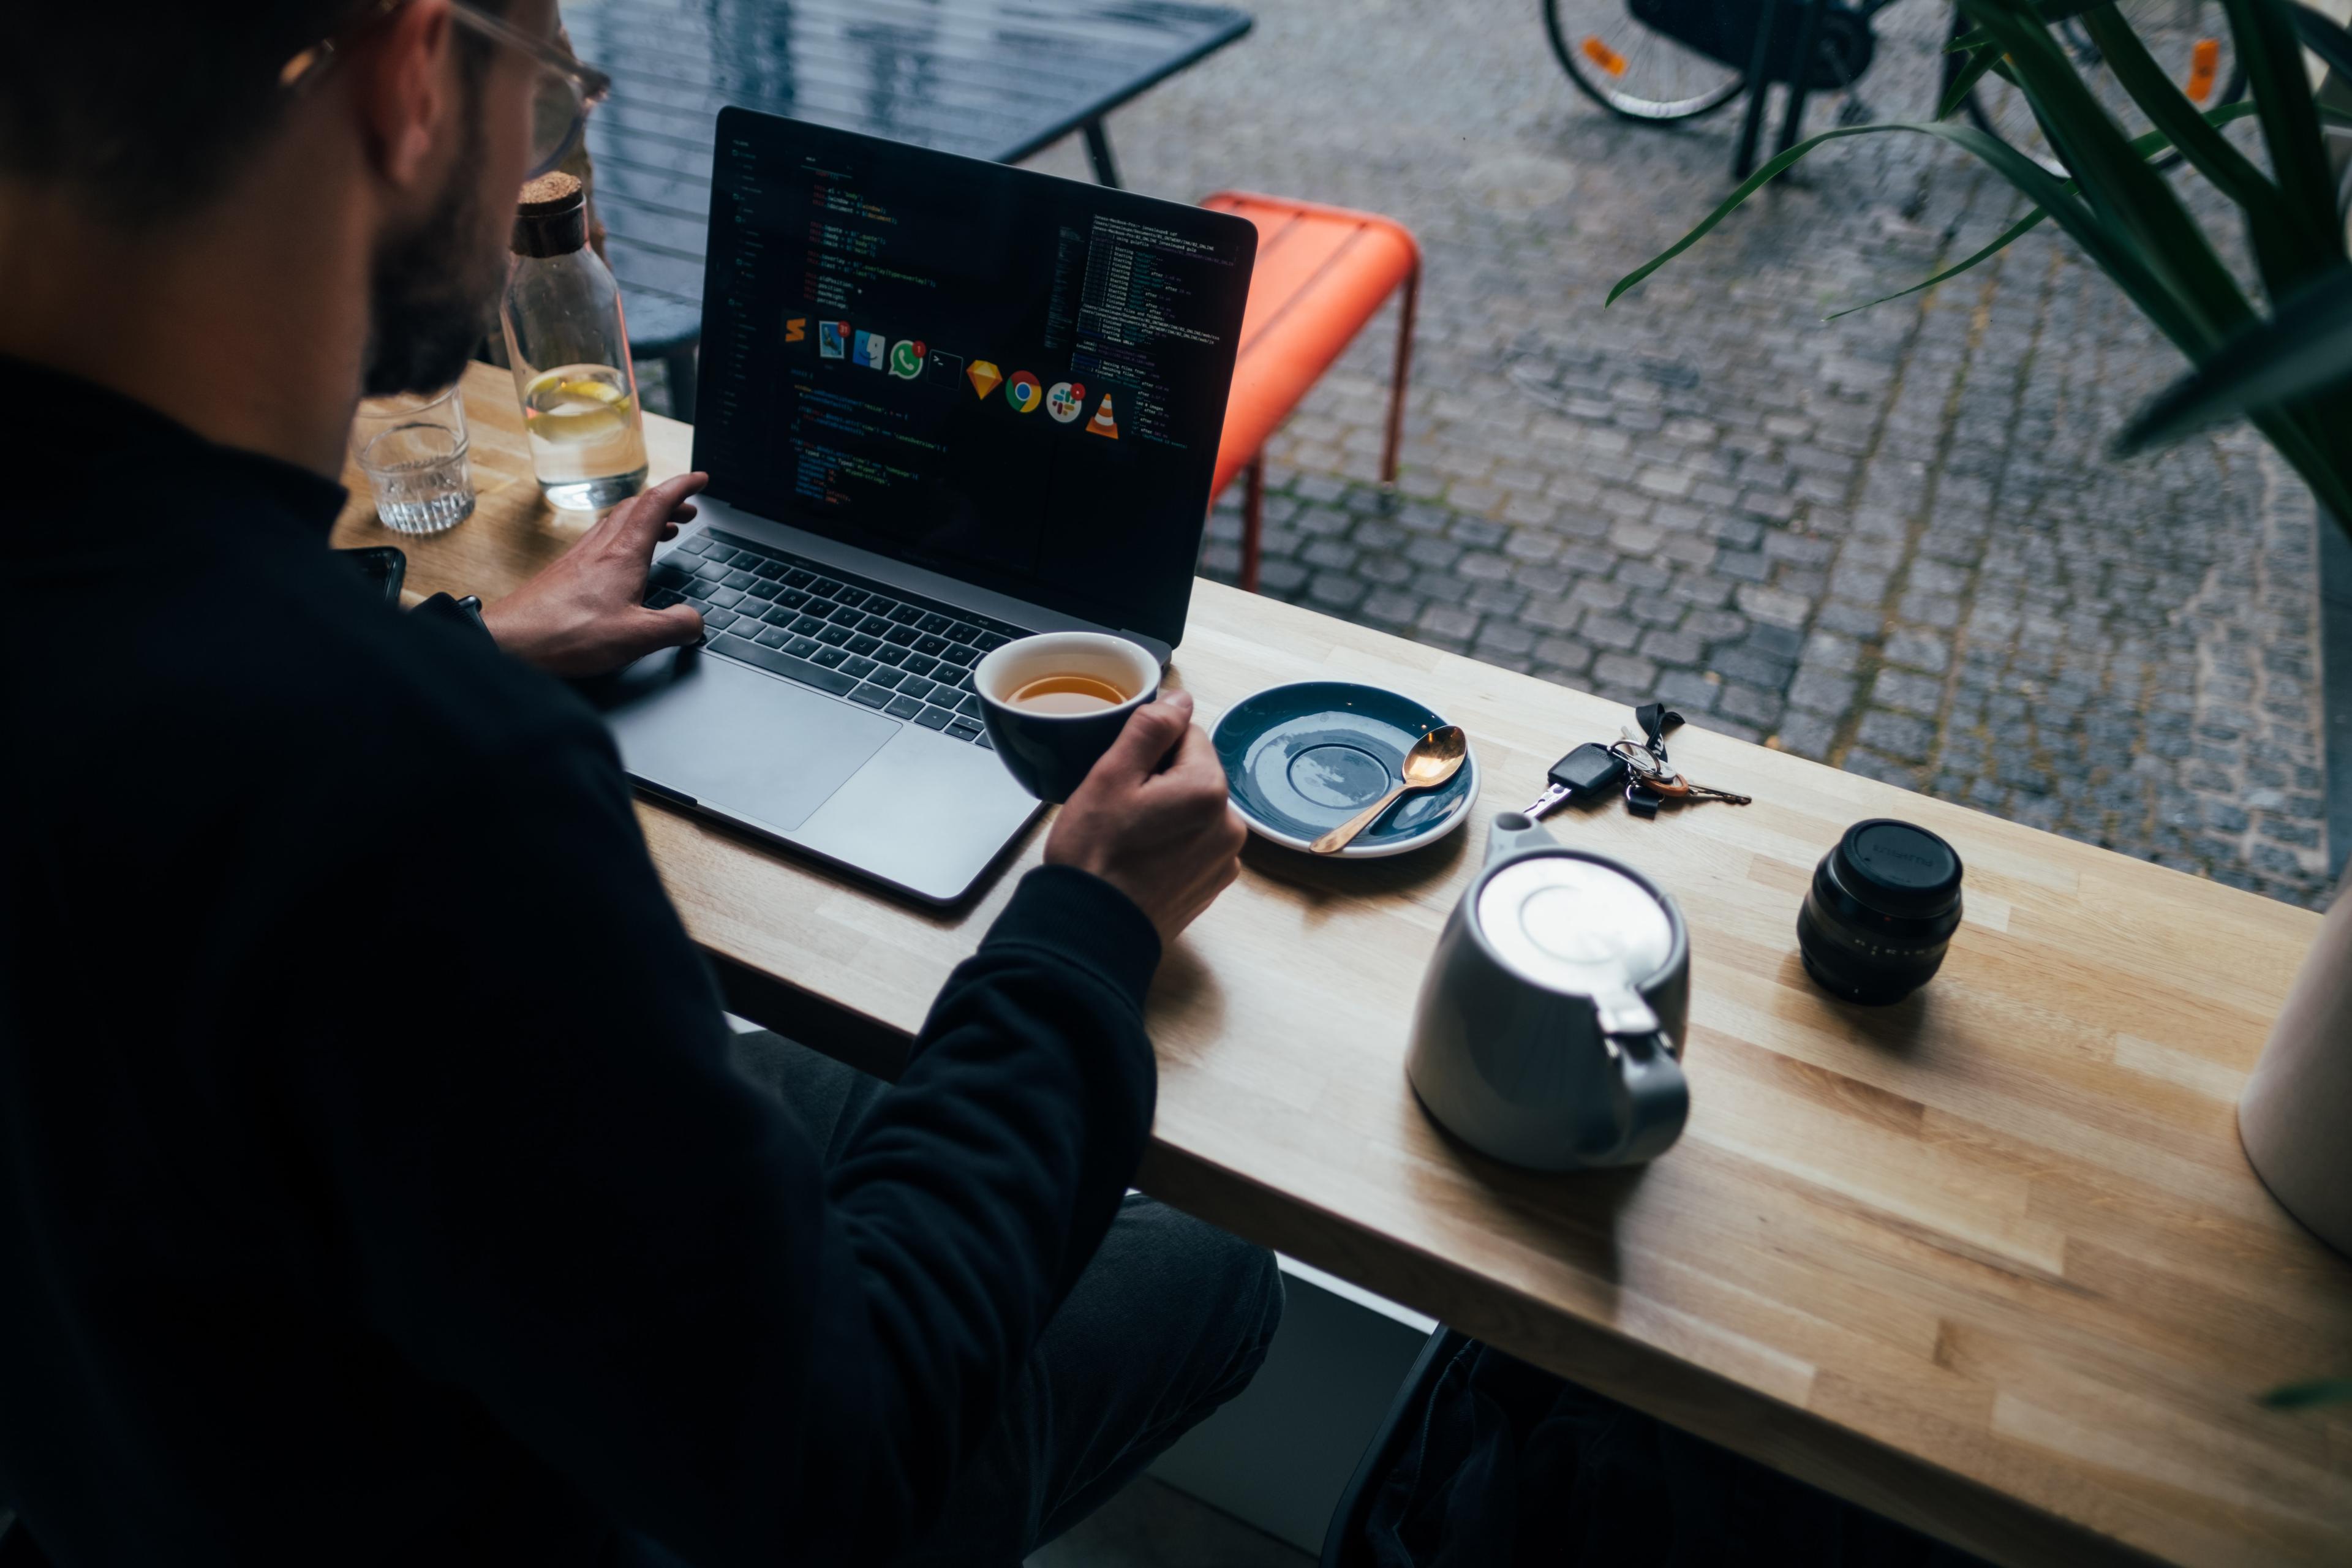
(1990, 1260)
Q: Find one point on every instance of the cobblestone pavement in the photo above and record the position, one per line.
(1891, 541)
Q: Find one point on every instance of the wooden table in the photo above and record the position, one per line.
(1989, 1261)
(989, 78)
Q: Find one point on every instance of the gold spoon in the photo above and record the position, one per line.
(1435, 758)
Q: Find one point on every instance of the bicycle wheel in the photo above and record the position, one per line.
(2190, 38)
(1632, 70)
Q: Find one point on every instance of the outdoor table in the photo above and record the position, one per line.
(989, 78)
(1990, 1260)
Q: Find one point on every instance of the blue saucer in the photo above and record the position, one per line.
(1303, 759)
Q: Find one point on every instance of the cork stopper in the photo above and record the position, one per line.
(551, 216)
(549, 193)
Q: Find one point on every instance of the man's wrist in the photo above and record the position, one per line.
(498, 621)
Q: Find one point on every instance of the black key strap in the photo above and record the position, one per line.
(1657, 721)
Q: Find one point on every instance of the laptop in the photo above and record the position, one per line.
(942, 403)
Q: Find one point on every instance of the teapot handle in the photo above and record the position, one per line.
(1652, 1098)
(1514, 831)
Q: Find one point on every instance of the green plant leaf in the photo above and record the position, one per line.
(2131, 224)
(2324, 38)
(2304, 1395)
(2049, 11)
(2111, 251)
(2284, 248)
(2264, 33)
(2147, 144)
(2169, 110)
(1730, 203)
(2304, 348)
(2001, 242)
(2142, 210)
(1965, 82)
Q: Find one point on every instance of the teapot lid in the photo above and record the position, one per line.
(1573, 925)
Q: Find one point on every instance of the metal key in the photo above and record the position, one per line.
(1683, 789)
(1588, 770)
(1640, 761)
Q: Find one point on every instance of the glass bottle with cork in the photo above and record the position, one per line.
(570, 351)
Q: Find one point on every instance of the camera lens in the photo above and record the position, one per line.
(1881, 908)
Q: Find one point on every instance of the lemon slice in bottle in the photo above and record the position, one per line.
(573, 409)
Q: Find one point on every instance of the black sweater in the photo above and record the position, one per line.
(373, 1184)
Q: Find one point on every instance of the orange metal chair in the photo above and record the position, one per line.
(1322, 272)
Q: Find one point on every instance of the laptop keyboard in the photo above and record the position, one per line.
(875, 645)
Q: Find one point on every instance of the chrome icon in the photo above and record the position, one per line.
(1024, 392)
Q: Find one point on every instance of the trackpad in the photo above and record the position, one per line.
(733, 737)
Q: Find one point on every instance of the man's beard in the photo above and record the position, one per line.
(433, 288)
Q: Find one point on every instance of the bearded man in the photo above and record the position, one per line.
(379, 1181)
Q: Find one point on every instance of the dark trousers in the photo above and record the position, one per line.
(1168, 1322)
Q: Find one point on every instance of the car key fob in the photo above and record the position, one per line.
(1586, 770)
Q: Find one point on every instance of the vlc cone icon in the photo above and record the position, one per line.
(1102, 424)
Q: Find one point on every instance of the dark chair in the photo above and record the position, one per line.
(668, 330)
(1343, 1544)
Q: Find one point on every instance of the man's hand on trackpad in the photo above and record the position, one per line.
(582, 616)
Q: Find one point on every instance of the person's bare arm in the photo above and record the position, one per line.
(584, 615)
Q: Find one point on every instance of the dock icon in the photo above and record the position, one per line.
(1102, 424)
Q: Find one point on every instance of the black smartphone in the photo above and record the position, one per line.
(383, 565)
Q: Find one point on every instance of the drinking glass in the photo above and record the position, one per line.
(413, 450)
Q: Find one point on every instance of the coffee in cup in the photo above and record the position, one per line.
(1067, 693)
(1054, 703)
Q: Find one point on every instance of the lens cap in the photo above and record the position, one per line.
(1899, 869)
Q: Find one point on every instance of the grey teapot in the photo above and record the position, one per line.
(1550, 1023)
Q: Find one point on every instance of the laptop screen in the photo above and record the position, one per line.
(1013, 379)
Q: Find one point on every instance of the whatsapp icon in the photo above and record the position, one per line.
(907, 359)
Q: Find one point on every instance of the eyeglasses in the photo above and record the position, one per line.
(562, 89)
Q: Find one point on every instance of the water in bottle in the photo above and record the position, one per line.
(569, 352)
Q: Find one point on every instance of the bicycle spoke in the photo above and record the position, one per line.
(2190, 41)
(1652, 72)
(1631, 68)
